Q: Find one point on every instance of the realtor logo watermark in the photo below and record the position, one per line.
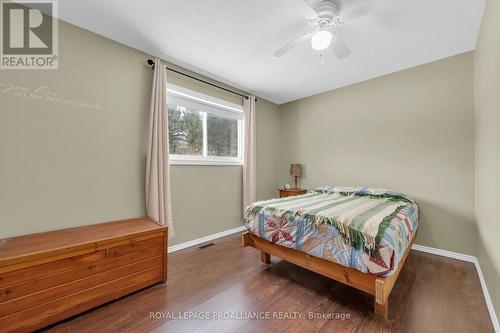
(29, 34)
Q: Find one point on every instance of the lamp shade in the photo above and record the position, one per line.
(296, 170)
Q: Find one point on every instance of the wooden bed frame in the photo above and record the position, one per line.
(378, 286)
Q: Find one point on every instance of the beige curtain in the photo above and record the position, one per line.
(249, 163)
(158, 205)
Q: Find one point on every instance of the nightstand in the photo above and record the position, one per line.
(291, 192)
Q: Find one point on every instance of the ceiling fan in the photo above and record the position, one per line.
(330, 14)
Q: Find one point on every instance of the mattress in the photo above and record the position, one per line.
(293, 228)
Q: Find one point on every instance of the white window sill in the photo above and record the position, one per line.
(204, 162)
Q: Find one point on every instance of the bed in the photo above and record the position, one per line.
(356, 235)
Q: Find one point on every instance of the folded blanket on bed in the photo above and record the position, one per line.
(360, 214)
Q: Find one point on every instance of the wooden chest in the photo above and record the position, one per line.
(50, 276)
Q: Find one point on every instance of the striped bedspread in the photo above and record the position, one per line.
(367, 229)
(361, 215)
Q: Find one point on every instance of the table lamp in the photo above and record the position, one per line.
(296, 171)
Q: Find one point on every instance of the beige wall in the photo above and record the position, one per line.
(65, 165)
(268, 147)
(487, 106)
(411, 131)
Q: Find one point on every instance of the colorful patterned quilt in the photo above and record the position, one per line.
(366, 229)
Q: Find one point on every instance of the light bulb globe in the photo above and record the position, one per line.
(321, 40)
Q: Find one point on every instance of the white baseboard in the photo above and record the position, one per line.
(487, 297)
(205, 239)
(472, 259)
(444, 253)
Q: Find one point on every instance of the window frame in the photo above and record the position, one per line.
(214, 106)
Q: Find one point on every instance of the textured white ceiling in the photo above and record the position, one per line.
(233, 41)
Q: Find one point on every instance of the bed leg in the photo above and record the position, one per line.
(381, 307)
(246, 239)
(382, 310)
(265, 257)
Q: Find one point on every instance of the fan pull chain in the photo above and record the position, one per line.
(322, 55)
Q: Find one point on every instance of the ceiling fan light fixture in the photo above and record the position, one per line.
(321, 40)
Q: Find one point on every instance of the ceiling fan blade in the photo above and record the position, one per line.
(339, 48)
(291, 44)
(366, 7)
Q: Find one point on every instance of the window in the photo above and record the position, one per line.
(203, 129)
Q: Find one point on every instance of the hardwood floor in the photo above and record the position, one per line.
(432, 294)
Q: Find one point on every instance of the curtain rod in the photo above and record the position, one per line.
(152, 63)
